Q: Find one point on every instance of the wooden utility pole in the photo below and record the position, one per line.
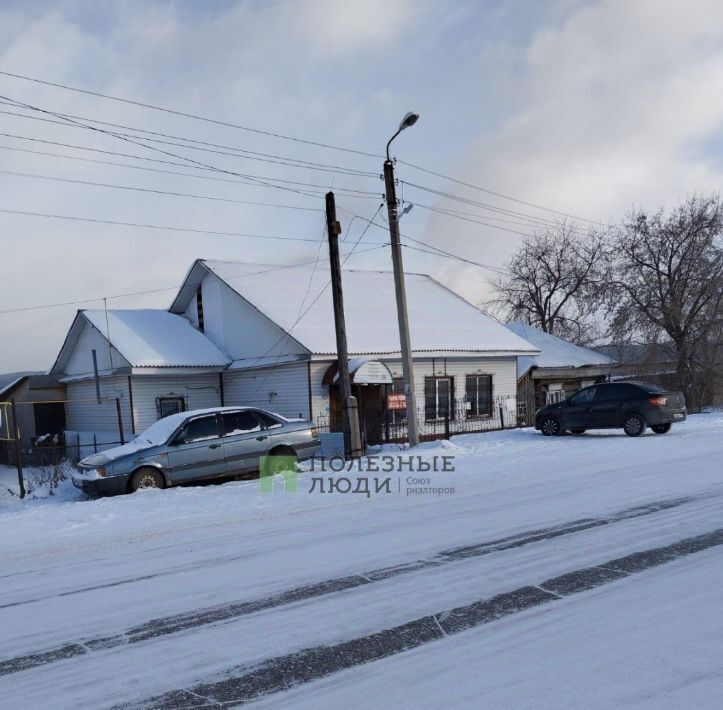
(349, 411)
(18, 449)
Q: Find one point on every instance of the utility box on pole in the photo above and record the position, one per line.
(349, 411)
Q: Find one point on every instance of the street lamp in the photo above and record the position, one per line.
(406, 348)
(410, 118)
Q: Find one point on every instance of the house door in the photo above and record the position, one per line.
(370, 401)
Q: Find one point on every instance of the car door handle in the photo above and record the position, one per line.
(214, 446)
(261, 438)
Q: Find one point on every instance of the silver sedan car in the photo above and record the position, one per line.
(198, 445)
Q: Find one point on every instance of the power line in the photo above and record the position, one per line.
(149, 147)
(246, 153)
(255, 179)
(349, 192)
(141, 225)
(158, 192)
(499, 194)
(484, 205)
(78, 302)
(273, 159)
(288, 331)
(438, 250)
(188, 115)
(298, 140)
(456, 257)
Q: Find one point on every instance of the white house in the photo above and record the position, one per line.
(153, 362)
(239, 333)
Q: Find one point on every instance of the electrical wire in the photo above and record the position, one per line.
(228, 124)
(184, 114)
(251, 179)
(82, 301)
(499, 194)
(194, 143)
(142, 225)
(157, 192)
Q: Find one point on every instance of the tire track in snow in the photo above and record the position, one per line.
(183, 622)
(274, 675)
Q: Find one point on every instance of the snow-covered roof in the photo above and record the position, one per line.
(155, 338)
(554, 351)
(299, 300)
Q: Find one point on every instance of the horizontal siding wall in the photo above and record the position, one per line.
(83, 413)
(502, 369)
(283, 389)
(199, 392)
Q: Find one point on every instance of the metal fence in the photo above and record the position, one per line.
(390, 426)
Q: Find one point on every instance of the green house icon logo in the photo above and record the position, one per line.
(281, 466)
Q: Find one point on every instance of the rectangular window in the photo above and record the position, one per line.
(554, 396)
(170, 405)
(438, 398)
(478, 395)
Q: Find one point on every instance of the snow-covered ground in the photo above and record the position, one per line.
(79, 578)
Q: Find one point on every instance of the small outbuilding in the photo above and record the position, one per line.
(40, 411)
(558, 371)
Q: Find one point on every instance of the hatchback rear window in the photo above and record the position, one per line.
(650, 388)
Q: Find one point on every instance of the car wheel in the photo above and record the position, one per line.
(145, 478)
(661, 428)
(578, 431)
(550, 426)
(634, 425)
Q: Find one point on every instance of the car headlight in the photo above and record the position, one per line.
(101, 472)
(314, 433)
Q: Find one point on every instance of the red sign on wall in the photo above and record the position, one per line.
(396, 401)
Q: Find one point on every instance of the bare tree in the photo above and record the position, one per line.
(668, 284)
(554, 283)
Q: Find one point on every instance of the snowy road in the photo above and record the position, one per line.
(187, 595)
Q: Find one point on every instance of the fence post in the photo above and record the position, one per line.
(502, 417)
(120, 420)
(18, 449)
(446, 425)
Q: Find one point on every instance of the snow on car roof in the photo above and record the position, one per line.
(156, 338)
(440, 319)
(554, 351)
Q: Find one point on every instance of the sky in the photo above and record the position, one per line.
(578, 108)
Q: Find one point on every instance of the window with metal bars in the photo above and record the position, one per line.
(478, 395)
(438, 398)
(170, 405)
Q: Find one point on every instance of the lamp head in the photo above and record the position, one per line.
(409, 120)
